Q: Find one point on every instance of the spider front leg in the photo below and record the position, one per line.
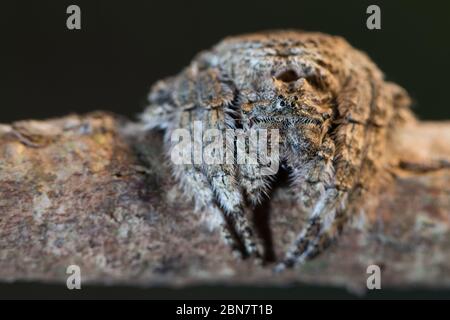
(217, 181)
(227, 191)
(197, 186)
(336, 177)
(223, 179)
(323, 225)
(258, 162)
(316, 195)
(195, 182)
(253, 183)
(330, 209)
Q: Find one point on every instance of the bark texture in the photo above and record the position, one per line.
(96, 191)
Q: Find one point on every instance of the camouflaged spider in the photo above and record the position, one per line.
(331, 105)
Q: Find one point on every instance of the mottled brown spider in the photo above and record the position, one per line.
(331, 105)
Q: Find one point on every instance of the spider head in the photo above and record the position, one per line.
(290, 103)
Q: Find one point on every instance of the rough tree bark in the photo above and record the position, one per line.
(95, 191)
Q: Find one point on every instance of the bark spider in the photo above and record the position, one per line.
(331, 105)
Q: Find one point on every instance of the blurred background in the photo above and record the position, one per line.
(124, 46)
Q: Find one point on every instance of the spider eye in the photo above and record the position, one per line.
(280, 104)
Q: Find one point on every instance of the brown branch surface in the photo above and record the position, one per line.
(96, 191)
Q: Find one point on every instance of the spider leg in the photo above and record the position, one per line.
(332, 210)
(253, 183)
(261, 165)
(358, 144)
(201, 97)
(220, 182)
(161, 110)
(327, 218)
(227, 190)
(317, 196)
(196, 185)
(324, 224)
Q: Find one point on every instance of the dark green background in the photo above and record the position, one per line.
(124, 46)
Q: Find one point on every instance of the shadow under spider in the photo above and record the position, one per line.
(262, 213)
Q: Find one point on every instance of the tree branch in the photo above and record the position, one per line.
(96, 191)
